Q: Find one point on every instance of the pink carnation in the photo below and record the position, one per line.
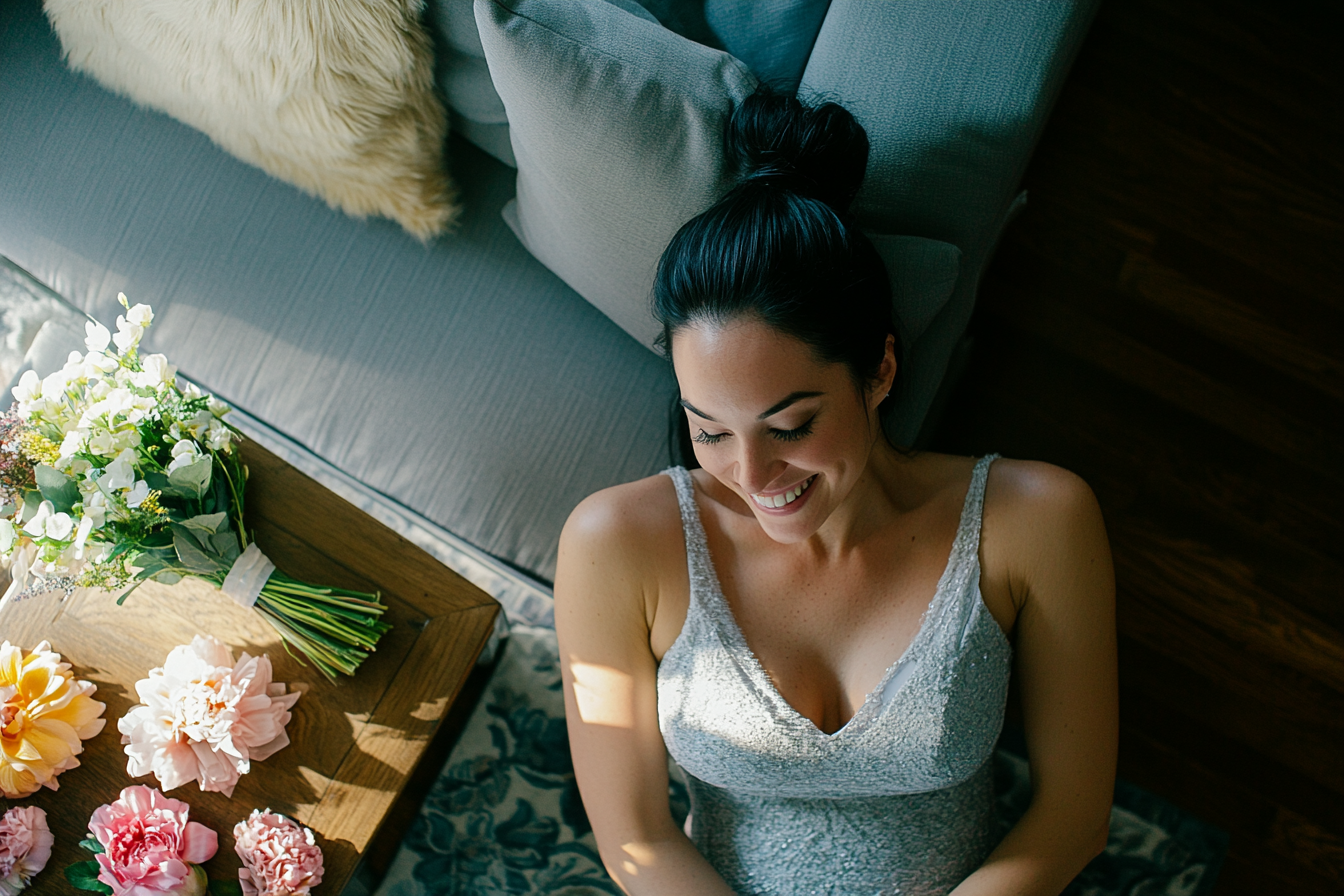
(280, 856)
(25, 847)
(205, 718)
(149, 846)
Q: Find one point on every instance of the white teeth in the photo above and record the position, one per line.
(784, 498)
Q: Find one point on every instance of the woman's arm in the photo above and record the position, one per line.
(604, 588)
(1050, 543)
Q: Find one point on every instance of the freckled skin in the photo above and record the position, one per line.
(830, 593)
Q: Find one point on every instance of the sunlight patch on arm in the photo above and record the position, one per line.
(605, 696)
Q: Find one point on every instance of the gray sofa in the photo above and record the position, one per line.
(463, 382)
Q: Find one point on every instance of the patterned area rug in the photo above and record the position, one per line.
(504, 816)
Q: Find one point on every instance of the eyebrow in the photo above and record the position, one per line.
(775, 408)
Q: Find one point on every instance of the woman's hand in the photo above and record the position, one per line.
(1044, 547)
(606, 596)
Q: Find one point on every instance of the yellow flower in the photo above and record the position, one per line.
(38, 448)
(45, 714)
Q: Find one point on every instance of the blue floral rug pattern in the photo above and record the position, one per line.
(504, 816)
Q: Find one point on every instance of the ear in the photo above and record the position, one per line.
(886, 374)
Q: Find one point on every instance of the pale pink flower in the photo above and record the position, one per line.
(205, 718)
(25, 847)
(280, 856)
(149, 845)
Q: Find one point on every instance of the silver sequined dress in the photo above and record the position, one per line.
(898, 801)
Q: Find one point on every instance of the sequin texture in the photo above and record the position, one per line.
(898, 801)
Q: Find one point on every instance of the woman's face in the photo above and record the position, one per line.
(788, 433)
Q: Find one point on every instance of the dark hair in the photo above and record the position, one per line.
(782, 245)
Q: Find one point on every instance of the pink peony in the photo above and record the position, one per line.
(25, 847)
(280, 857)
(149, 846)
(205, 718)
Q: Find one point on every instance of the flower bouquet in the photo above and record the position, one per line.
(112, 474)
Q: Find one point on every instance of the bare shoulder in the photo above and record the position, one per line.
(1031, 491)
(624, 516)
(1042, 526)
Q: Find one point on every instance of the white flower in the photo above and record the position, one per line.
(128, 335)
(59, 526)
(156, 372)
(95, 510)
(121, 472)
(100, 443)
(185, 453)
(8, 535)
(53, 385)
(96, 336)
(82, 535)
(138, 493)
(37, 526)
(219, 437)
(48, 524)
(140, 315)
(29, 387)
(72, 444)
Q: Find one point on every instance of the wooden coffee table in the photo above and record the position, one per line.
(354, 744)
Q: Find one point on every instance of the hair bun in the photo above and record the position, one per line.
(774, 140)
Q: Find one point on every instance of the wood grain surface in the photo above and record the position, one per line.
(1166, 319)
(354, 743)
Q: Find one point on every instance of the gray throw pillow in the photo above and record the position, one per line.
(617, 125)
(773, 37)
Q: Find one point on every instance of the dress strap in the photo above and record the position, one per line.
(697, 545)
(973, 512)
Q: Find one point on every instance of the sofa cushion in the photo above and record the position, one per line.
(476, 111)
(953, 96)
(773, 37)
(462, 379)
(334, 96)
(616, 125)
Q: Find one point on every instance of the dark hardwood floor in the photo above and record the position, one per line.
(1167, 320)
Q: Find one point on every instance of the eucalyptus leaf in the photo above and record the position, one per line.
(192, 557)
(226, 545)
(208, 523)
(200, 540)
(168, 578)
(57, 488)
(84, 876)
(193, 478)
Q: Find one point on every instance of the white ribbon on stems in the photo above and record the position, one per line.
(247, 576)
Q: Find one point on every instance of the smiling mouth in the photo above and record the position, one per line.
(771, 502)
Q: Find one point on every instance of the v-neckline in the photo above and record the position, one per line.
(870, 708)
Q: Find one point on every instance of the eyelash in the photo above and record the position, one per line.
(784, 435)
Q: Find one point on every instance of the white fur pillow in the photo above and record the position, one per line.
(333, 96)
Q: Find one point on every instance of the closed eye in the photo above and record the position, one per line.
(783, 435)
(793, 435)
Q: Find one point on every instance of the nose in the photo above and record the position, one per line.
(757, 465)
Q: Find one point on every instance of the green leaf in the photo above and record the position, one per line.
(192, 557)
(92, 845)
(57, 488)
(84, 876)
(193, 478)
(226, 888)
(226, 545)
(207, 523)
(168, 578)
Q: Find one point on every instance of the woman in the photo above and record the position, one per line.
(819, 626)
